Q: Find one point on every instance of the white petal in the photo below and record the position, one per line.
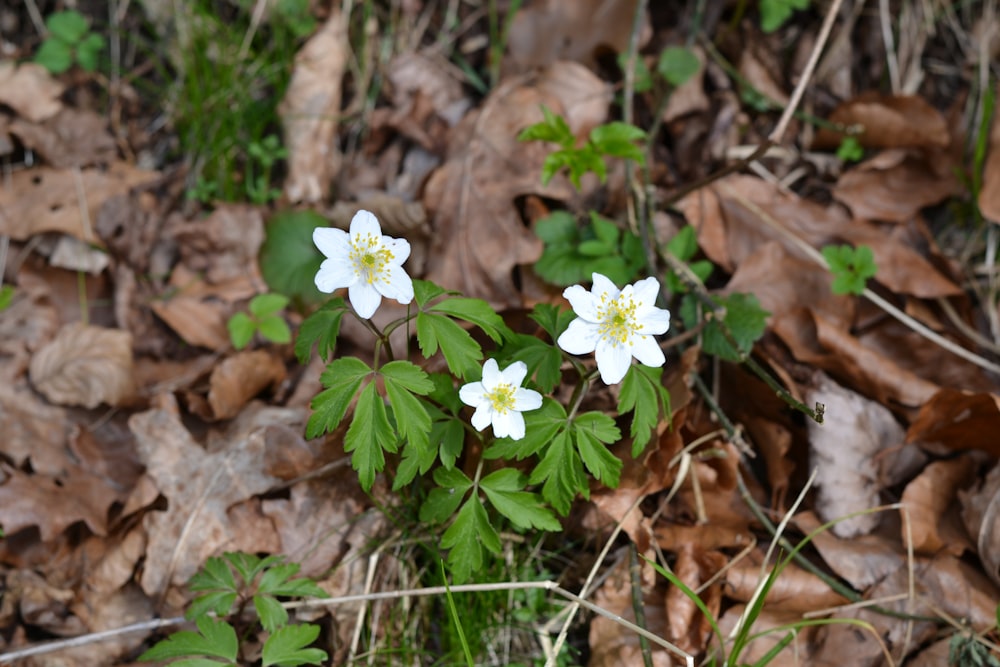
(397, 285)
(645, 349)
(400, 248)
(364, 298)
(482, 417)
(580, 337)
(491, 375)
(612, 361)
(646, 291)
(603, 285)
(583, 302)
(364, 223)
(515, 373)
(332, 242)
(502, 423)
(515, 428)
(527, 399)
(653, 321)
(472, 394)
(334, 274)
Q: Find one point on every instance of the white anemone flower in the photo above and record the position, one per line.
(368, 264)
(499, 399)
(616, 326)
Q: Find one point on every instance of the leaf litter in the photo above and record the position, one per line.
(137, 443)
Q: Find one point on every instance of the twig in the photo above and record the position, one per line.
(85, 640)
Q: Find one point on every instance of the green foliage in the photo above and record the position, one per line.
(321, 329)
(644, 395)
(774, 13)
(851, 267)
(263, 317)
(69, 41)
(288, 257)
(850, 149)
(743, 325)
(683, 246)
(262, 156)
(572, 253)
(226, 585)
(677, 65)
(965, 651)
(614, 139)
(6, 296)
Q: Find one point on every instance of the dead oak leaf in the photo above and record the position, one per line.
(30, 91)
(54, 503)
(478, 235)
(85, 365)
(200, 487)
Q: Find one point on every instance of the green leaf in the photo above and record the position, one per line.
(505, 490)
(461, 352)
(88, 50)
(289, 260)
(684, 244)
(444, 392)
(554, 320)
(6, 297)
(542, 359)
(425, 291)
(402, 379)
(642, 80)
(54, 55)
(558, 228)
(774, 13)
(644, 395)
(263, 305)
(248, 566)
(272, 615)
(677, 65)
(556, 161)
(540, 427)
(341, 379)
(215, 575)
(275, 329)
(218, 603)
(241, 330)
(553, 129)
(595, 248)
(369, 434)
(420, 455)
(594, 430)
(286, 647)
(321, 328)
(618, 139)
(561, 473)
(850, 149)
(407, 375)
(851, 267)
(214, 638)
(70, 26)
(605, 230)
(475, 311)
(451, 434)
(465, 537)
(746, 321)
(442, 501)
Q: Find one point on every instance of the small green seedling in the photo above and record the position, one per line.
(228, 585)
(745, 321)
(263, 155)
(774, 13)
(69, 40)
(850, 149)
(851, 267)
(683, 246)
(263, 317)
(6, 296)
(677, 65)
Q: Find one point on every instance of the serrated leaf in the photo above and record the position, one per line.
(289, 260)
(465, 537)
(342, 378)
(540, 428)
(54, 55)
(851, 267)
(677, 65)
(214, 575)
(218, 603)
(444, 392)
(275, 329)
(554, 320)
(505, 490)
(443, 500)
(553, 128)
(267, 304)
(241, 330)
(214, 638)
(247, 565)
(419, 456)
(286, 647)
(412, 420)
(369, 435)
(407, 375)
(270, 612)
(598, 425)
(595, 248)
(601, 463)
(643, 393)
(542, 359)
(451, 435)
(556, 161)
(69, 26)
(561, 265)
(475, 311)
(558, 228)
(321, 328)
(424, 291)
(746, 321)
(461, 352)
(561, 474)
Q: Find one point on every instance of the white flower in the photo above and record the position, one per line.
(368, 264)
(615, 325)
(500, 400)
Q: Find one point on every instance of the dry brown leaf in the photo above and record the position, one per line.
(901, 268)
(902, 121)
(428, 76)
(239, 378)
(224, 246)
(71, 138)
(793, 590)
(35, 433)
(928, 499)
(548, 31)
(310, 111)
(843, 452)
(989, 193)
(862, 561)
(796, 654)
(197, 311)
(42, 604)
(30, 90)
(478, 235)
(956, 420)
(981, 514)
(687, 626)
(895, 184)
(200, 487)
(54, 503)
(85, 365)
(49, 200)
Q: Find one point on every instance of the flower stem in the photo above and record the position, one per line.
(581, 391)
(381, 339)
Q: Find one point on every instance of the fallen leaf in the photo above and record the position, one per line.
(765, 637)
(30, 90)
(224, 246)
(863, 560)
(478, 235)
(687, 626)
(955, 420)
(238, 379)
(310, 111)
(71, 138)
(793, 590)
(35, 433)
(85, 365)
(54, 503)
(981, 515)
(888, 121)
(928, 499)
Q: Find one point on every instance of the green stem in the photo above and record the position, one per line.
(580, 391)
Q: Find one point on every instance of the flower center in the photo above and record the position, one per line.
(617, 319)
(370, 258)
(502, 398)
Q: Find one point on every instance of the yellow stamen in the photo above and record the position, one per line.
(617, 319)
(370, 258)
(502, 398)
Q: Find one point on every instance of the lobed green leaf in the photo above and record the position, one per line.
(342, 378)
(286, 647)
(321, 328)
(504, 489)
(461, 352)
(214, 638)
(466, 536)
(369, 435)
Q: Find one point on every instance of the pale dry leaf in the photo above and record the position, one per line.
(30, 90)
(928, 499)
(989, 193)
(478, 235)
(222, 247)
(844, 450)
(53, 503)
(85, 365)
(981, 515)
(43, 199)
(241, 377)
(198, 322)
(793, 590)
(888, 121)
(199, 486)
(75, 255)
(35, 433)
(71, 138)
(310, 111)
(862, 561)
(432, 77)
(687, 626)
